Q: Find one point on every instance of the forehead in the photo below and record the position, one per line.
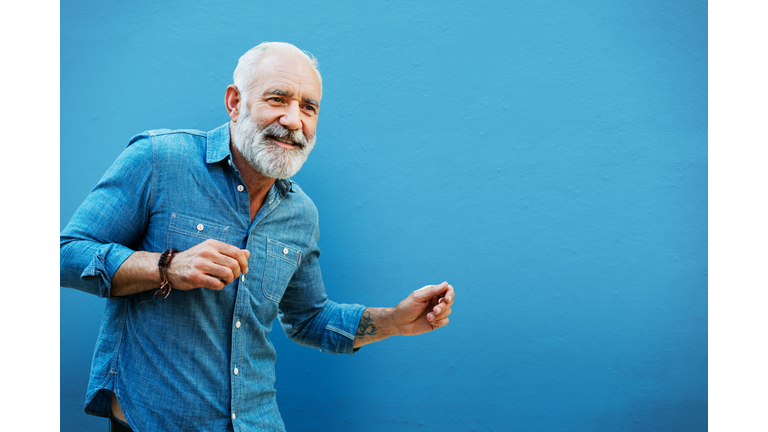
(289, 73)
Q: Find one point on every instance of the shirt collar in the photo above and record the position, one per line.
(218, 149)
(218, 144)
(284, 186)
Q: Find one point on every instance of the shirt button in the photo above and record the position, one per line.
(229, 161)
(285, 251)
(200, 227)
(242, 278)
(233, 416)
(237, 324)
(236, 371)
(240, 188)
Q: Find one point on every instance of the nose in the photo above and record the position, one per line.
(291, 117)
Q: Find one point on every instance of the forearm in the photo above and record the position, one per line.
(137, 274)
(210, 264)
(376, 324)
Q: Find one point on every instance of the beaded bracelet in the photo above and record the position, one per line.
(162, 264)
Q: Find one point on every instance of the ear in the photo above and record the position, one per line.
(232, 102)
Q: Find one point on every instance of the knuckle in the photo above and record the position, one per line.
(215, 284)
(199, 263)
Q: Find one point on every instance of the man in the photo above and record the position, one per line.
(198, 241)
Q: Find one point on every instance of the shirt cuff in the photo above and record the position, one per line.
(104, 265)
(339, 334)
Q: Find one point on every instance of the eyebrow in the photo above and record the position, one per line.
(280, 92)
(277, 92)
(312, 102)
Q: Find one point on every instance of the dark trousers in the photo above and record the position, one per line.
(116, 425)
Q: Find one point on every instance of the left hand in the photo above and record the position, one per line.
(424, 309)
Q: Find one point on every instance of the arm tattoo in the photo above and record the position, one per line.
(366, 327)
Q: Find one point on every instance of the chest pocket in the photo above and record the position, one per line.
(185, 232)
(282, 262)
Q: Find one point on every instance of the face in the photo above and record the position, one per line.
(275, 128)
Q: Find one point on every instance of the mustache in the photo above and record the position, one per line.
(281, 133)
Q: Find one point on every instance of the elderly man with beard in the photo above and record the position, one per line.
(198, 240)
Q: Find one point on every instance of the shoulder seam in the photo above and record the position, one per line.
(159, 132)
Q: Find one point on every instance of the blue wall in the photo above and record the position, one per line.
(549, 159)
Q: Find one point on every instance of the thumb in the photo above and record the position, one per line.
(429, 291)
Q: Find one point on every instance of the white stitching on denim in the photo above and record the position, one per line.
(274, 245)
(339, 331)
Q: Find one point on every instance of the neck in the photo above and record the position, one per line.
(257, 183)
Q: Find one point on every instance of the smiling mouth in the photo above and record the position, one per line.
(285, 142)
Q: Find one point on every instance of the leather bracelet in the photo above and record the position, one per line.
(162, 264)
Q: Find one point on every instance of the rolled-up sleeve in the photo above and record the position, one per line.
(103, 232)
(309, 318)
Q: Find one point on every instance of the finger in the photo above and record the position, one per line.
(226, 273)
(443, 301)
(211, 261)
(426, 293)
(432, 316)
(441, 311)
(440, 322)
(242, 259)
(232, 264)
(201, 280)
(449, 294)
(213, 283)
(236, 253)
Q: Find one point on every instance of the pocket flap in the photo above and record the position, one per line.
(283, 251)
(197, 227)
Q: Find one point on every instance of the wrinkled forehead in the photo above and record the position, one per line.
(286, 72)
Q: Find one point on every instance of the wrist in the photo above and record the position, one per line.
(375, 324)
(162, 267)
(389, 322)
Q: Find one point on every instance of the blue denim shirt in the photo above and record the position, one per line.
(200, 359)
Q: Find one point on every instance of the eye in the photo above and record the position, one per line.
(311, 108)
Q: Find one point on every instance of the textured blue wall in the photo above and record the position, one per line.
(548, 159)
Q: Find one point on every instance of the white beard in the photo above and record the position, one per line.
(265, 156)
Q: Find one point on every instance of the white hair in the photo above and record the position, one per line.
(247, 67)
